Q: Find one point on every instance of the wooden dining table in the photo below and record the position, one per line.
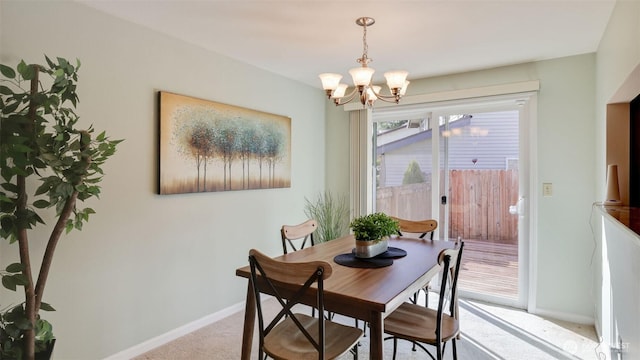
(368, 294)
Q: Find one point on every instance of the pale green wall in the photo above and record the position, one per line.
(565, 155)
(146, 264)
(565, 158)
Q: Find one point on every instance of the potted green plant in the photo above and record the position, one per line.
(372, 232)
(46, 162)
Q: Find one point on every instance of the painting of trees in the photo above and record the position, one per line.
(208, 146)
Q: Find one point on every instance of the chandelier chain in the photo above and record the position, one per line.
(365, 47)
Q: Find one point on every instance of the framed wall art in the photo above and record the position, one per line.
(207, 146)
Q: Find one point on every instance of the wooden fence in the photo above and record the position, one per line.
(479, 203)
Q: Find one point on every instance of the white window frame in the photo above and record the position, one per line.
(362, 177)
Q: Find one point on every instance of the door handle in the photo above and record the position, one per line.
(518, 208)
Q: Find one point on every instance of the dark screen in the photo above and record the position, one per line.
(634, 156)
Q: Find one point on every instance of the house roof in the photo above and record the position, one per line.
(420, 136)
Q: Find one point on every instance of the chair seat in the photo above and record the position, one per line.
(286, 341)
(418, 323)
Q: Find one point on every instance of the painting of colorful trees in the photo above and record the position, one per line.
(208, 146)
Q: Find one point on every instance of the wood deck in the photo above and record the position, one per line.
(489, 267)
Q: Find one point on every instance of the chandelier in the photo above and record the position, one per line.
(363, 89)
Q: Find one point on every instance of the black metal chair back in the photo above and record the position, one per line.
(451, 269)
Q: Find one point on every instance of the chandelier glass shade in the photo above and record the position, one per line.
(361, 77)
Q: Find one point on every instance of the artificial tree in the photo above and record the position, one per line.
(45, 162)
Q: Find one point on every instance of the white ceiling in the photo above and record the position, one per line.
(299, 39)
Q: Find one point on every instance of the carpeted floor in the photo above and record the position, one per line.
(488, 332)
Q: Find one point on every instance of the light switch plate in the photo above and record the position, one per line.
(547, 189)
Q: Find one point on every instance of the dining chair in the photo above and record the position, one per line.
(289, 335)
(292, 234)
(423, 325)
(420, 228)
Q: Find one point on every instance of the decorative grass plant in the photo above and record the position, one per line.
(332, 214)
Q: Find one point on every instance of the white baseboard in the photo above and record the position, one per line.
(574, 318)
(175, 333)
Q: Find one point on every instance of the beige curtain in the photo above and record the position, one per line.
(360, 155)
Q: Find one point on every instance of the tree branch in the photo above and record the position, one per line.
(29, 294)
(30, 308)
(56, 233)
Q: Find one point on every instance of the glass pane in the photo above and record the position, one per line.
(479, 158)
(403, 168)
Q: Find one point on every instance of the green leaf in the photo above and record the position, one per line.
(20, 279)
(6, 214)
(46, 307)
(26, 71)
(10, 108)
(14, 332)
(51, 63)
(15, 268)
(39, 99)
(7, 72)
(63, 62)
(37, 218)
(7, 223)
(68, 226)
(41, 204)
(43, 188)
(22, 148)
(16, 139)
(64, 190)
(23, 324)
(10, 187)
(9, 283)
(44, 333)
(5, 90)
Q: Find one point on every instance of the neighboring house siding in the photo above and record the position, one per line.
(489, 138)
(491, 150)
(396, 162)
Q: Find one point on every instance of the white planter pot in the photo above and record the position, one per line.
(369, 249)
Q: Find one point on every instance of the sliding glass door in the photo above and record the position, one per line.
(461, 164)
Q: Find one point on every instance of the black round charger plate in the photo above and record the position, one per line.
(378, 261)
(391, 253)
(350, 260)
